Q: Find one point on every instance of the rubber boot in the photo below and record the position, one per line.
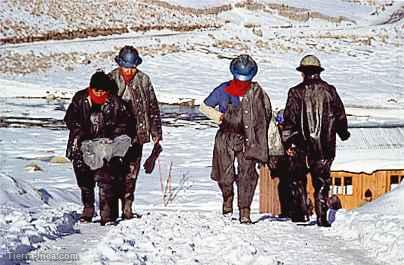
(87, 198)
(127, 209)
(87, 215)
(245, 216)
(228, 205)
(321, 211)
(127, 212)
(115, 208)
(106, 205)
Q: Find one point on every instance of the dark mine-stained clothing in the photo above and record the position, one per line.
(242, 137)
(313, 115)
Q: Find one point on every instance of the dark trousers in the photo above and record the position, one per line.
(297, 172)
(320, 171)
(228, 149)
(86, 181)
(109, 179)
(110, 182)
(132, 162)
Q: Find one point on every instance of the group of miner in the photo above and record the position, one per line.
(123, 102)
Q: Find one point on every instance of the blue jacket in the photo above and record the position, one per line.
(219, 97)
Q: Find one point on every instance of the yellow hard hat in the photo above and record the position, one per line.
(310, 63)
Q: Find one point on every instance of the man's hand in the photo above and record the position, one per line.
(156, 140)
(291, 151)
(76, 152)
(345, 136)
(221, 119)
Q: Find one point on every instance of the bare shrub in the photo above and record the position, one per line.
(168, 190)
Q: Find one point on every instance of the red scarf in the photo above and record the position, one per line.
(127, 78)
(238, 88)
(97, 100)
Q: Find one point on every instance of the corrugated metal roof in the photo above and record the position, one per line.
(370, 149)
(373, 139)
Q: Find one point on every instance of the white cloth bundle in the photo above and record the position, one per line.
(97, 150)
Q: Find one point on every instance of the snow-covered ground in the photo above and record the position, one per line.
(31, 216)
(377, 226)
(184, 237)
(39, 197)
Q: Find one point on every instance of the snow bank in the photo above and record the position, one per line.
(21, 231)
(26, 220)
(378, 226)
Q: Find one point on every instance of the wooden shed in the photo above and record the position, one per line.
(355, 189)
(370, 164)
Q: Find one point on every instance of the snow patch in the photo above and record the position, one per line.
(26, 219)
(378, 226)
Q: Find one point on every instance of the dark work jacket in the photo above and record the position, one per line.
(250, 118)
(114, 123)
(313, 115)
(143, 105)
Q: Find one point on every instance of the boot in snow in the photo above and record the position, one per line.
(108, 223)
(107, 203)
(87, 215)
(228, 205)
(87, 198)
(321, 210)
(322, 221)
(127, 212)
(245, 216)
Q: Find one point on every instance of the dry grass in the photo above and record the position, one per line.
(170, 192)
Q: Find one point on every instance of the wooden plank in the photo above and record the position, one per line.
(264, 190)
(269, 196)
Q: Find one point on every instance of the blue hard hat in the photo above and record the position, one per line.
(243, 67)
(128, 57)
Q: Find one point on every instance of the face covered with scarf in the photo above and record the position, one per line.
(127, 73)
(238, 88)
(98, 96)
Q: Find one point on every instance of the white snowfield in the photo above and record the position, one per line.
(377, 226)
(39, 199)
(29, 217)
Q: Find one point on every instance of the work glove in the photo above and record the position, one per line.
(151, 160)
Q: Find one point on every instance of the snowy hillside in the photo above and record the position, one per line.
(272, 35)
(31, 19)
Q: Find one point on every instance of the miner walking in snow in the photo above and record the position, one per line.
(96, 113)
(136, 89)
(314, 114)
(243, 117)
